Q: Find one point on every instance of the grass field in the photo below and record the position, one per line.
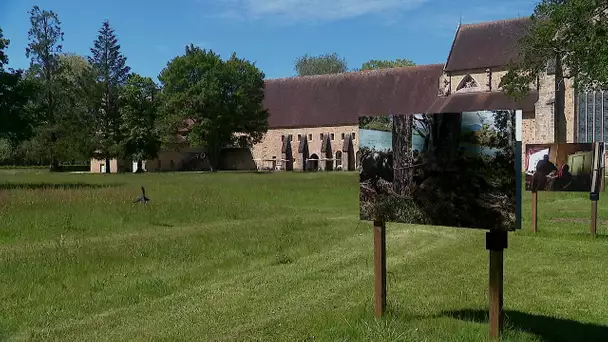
(275, 257)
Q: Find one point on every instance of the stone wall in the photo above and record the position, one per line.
(115, 165)
(486, 80)
(272, 144)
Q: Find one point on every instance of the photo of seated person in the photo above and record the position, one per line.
(563, 179)
(543, 168)
(559, 167)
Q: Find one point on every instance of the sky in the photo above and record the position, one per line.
(270, 33)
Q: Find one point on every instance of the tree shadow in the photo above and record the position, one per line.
(55, 186)
(547, 328)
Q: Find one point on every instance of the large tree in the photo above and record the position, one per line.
(376, 64)
(15, 95)
(111, 72)
(319, 65)
(77, 121)
(139, 98)
(74, 126)
(571, 33)
(222, 99)
(43, 50)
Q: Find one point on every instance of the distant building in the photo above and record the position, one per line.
(314, 119)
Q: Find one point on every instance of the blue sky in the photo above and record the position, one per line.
(271, 33)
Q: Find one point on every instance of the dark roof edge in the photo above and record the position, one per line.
(447, 61)
(524, 17)
(315, 127)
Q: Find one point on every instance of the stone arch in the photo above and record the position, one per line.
(468, 84)
(327, 153)
(338, 161)
(313, 162)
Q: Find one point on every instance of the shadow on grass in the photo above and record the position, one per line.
(547, 328)
(53, 186)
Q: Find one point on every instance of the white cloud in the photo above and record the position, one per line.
(311, 10)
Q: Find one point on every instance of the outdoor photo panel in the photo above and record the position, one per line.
(448, 169)
(562, 167)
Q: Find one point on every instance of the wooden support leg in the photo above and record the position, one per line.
(379, 267)
(496, 242)
(594, 218)
(534, 211)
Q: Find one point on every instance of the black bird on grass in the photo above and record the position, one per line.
(142, 198)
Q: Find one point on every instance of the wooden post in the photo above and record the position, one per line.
(496, 242)
(534, 211)
(379, 267)
(603, 180)
(594, 218)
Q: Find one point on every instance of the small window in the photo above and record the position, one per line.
(290, 137)
(342, 136)
(274, 157)
(299, 137)
(321, 136)
(353, 135)
(282, 138)
(332, 136)
(310, 136)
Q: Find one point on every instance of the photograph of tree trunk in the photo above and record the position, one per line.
(562, 167)
(448, 169)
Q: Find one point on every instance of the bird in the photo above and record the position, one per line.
(142, 198)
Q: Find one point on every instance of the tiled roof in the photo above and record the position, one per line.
(339, 99)
(486, 45)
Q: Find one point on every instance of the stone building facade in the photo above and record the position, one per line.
(314, 119)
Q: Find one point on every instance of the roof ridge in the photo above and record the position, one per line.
(499, 21)
(358, 72)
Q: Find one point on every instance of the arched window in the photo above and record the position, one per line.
(467, 84)
(338, 158)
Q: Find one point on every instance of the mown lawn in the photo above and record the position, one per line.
(275, 257)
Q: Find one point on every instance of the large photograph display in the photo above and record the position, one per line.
(561, 167)
(448, 169)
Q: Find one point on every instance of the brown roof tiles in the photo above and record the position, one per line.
(339, 99)
(486, 45)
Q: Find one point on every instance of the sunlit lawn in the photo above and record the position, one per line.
(275, 257)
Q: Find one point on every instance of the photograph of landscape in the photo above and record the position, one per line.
(559, 167)
(448, 169)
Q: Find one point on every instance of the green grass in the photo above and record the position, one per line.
(275, 257)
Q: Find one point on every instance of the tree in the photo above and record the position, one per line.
(320, 65)
(139, 98)
(16, 93)
(45, 45)
(77, 126)
(402, 154)
(376, 64)
(573, 33)
(222, 99)
(111, 72)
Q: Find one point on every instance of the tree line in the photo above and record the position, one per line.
(66, 108)
(332, 63)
